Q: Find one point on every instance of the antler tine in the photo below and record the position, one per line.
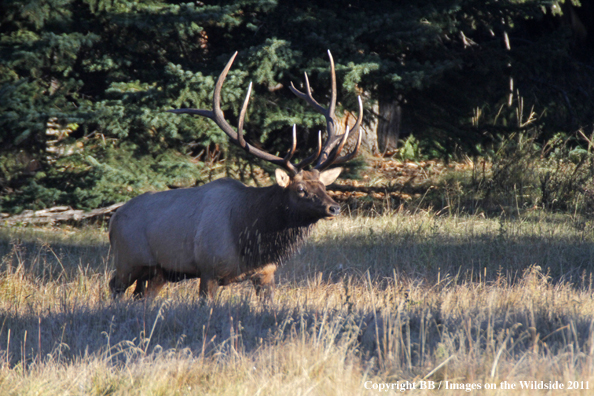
(314, 156)
(357, 126)
(334, 153)
(334, 141)
(308, 96)
(216, 114)
(287, 159)
(242, 116)
(332, 107)
(352, 155)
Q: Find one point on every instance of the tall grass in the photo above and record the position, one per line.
(519, 173)
(368, 300)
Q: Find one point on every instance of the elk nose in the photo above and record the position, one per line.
(334, 210)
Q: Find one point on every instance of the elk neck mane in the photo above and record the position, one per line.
(271, 230)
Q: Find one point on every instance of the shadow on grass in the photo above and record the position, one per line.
(483, 258)
(121, 330)
(49, 261)
(405, 330)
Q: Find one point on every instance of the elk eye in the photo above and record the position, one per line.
(301, 190)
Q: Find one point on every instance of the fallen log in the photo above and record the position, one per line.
(56, 214)
(364, 189)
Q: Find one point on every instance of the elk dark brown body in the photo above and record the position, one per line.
(224, 231)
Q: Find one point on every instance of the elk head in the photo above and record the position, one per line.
(306, 188)
(307, 192)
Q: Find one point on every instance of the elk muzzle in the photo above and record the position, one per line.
(333, 210)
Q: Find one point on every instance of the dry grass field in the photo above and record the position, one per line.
(460, 303)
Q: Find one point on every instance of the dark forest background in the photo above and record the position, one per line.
(84, 85)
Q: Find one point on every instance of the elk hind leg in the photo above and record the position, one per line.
(208, 287)
(122, 280)
(149, 283)
(117, 287)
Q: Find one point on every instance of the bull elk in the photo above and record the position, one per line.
(224, 231)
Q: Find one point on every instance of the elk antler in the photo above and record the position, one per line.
(237, 137)
(335, 142)
(325, 156)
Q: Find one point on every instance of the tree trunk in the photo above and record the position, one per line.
(388, 125)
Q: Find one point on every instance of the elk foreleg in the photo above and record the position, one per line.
(155, 285)
(263, 281)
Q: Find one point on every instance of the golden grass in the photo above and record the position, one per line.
(368, 301)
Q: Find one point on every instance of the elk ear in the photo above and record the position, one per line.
(282, 179)
(328, 177)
